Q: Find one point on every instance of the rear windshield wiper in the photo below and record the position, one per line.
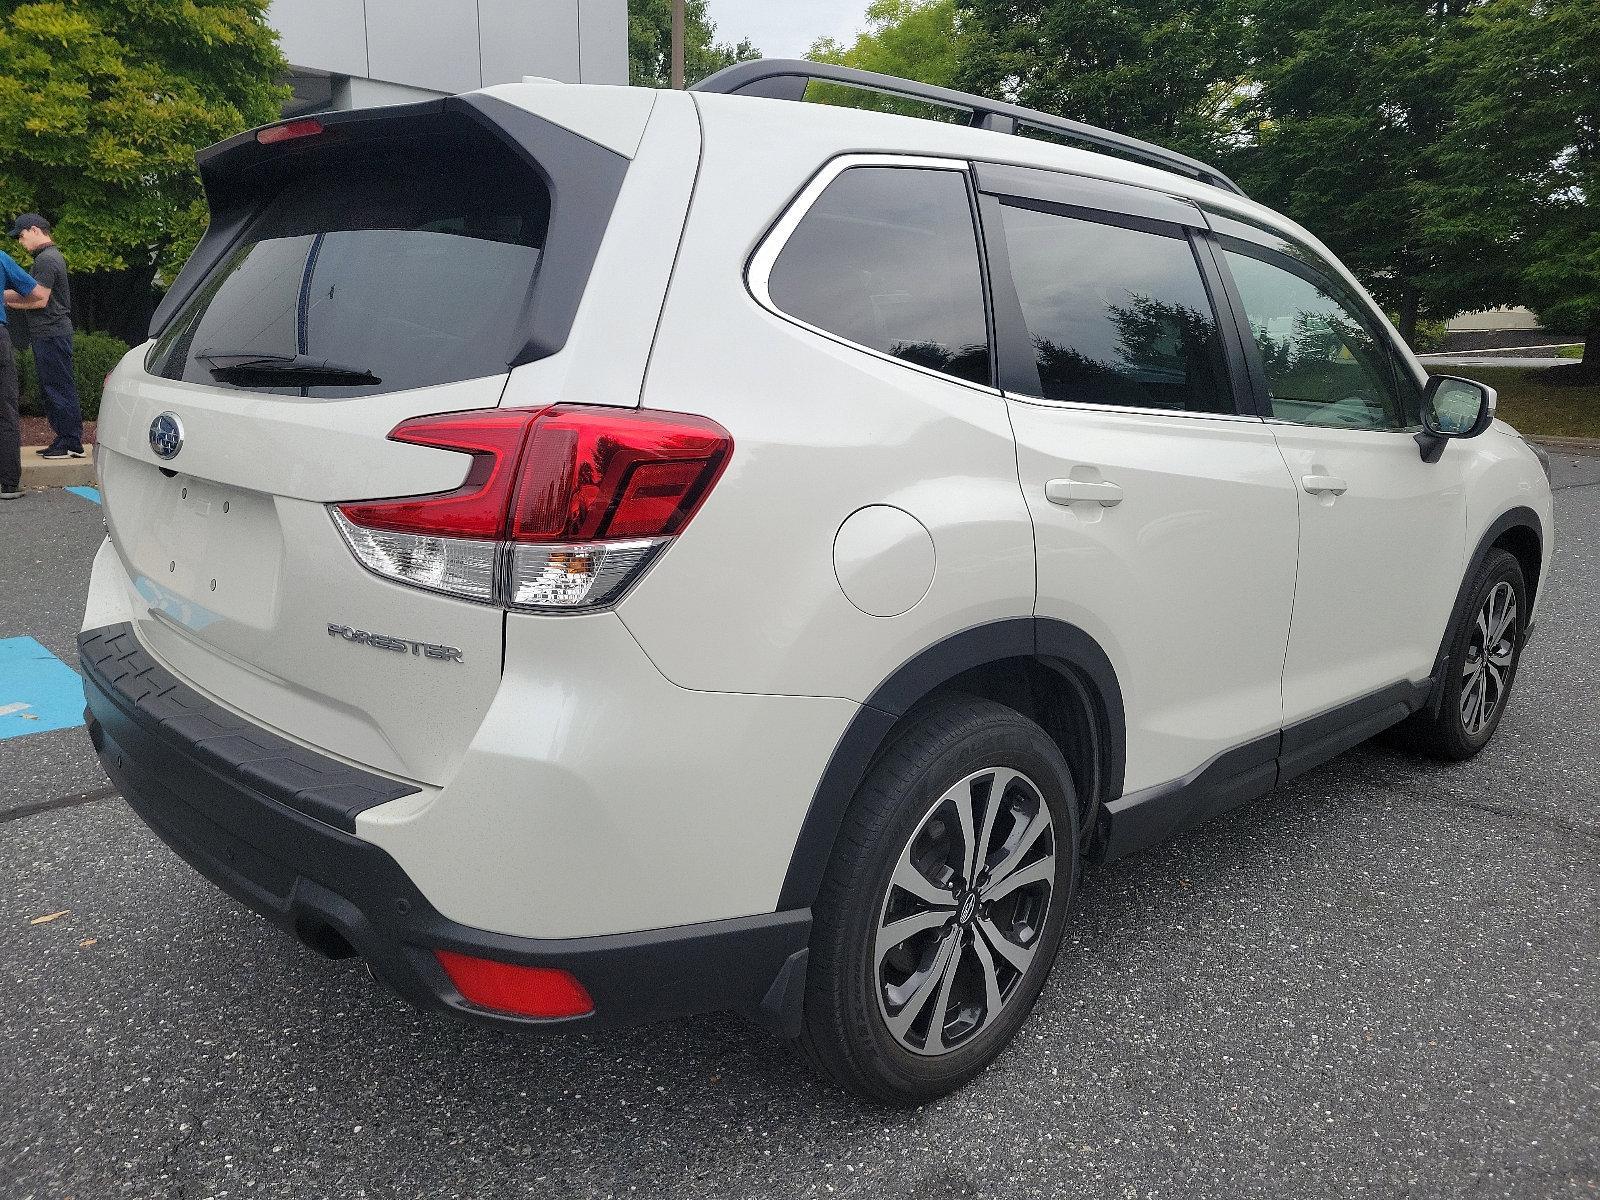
(253, 366)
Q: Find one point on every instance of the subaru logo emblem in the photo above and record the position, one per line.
(166, 435)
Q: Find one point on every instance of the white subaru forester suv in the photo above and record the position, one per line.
(602, 554)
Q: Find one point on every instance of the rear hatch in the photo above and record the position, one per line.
(361, 269)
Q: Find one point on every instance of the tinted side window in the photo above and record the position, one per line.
(1117, 316)
(1324, 364)
(887, 258)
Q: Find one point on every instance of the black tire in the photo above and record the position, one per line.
(846, 1031)
(1447, 732)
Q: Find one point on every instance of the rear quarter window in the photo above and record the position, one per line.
(887, 258)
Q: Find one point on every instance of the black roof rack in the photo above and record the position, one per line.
(787, 78)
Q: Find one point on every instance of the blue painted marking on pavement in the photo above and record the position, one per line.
(88, 493)
(38, 692)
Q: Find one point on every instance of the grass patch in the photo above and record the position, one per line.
(1535, 406)
(1571, 351)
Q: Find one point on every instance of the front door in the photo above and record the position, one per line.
(1382, 533)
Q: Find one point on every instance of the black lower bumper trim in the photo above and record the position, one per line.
(340, 894)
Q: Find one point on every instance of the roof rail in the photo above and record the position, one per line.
(787, 78)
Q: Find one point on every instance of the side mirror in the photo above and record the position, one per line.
(1453, 407)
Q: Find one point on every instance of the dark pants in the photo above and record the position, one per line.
(10, 418)
(52, 357)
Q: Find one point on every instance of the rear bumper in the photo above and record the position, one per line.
(235, 820)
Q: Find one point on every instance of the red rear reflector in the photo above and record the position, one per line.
(288, 131)
(506, 987)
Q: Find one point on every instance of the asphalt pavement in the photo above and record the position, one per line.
(1382, 981)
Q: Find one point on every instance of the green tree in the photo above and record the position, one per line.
(102, 105)
(1352, 112)
(650, 44)
(914, 39)
(1525, 149)
(1168, 71)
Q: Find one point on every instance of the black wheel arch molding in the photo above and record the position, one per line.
(1070, 654)
(1520, 518)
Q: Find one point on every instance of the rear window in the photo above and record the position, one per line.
(887, 258)
(399, 272)
(1117, 316)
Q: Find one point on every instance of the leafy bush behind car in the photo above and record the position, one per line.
(93, 357)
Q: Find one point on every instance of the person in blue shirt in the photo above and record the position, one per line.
(20, 292)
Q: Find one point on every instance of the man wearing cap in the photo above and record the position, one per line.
(20, 292)
(49, 333)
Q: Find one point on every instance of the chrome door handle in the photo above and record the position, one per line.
(1065, 491)
(1320, 485)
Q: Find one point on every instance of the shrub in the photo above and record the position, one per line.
(93, 356)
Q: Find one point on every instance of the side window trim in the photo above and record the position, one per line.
(1325, 281)
(1248, 372)
(1086, 193)
(758, 270)
(1016, 366)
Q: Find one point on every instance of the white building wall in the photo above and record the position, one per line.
(350, 53)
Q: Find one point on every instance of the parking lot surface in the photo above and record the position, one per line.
(1382, 981)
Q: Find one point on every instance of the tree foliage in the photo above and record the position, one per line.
(102, 106)
(1355, 102)
(1165, 70)
(914, 39)
(1525, 153)
(650, 44)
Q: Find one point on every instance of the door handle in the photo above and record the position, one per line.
(1324, 485)
(1065, 491)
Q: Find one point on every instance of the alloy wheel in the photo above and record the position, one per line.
(1486, 674)
(965, 910)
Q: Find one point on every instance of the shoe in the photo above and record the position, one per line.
(16, 495)
(49, 448)
(61, 452)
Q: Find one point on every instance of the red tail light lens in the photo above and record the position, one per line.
(561, 508)
(591, 474)
(506, 987)
(476, 509)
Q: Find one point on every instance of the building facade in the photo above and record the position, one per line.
(358, 53)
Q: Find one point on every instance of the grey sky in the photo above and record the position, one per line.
(786, 28)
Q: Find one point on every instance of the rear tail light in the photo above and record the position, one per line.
(562, 508)
(506, 987)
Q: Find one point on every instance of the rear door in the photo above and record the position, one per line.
(1163, 516)
(361, 269)
(1382, 533)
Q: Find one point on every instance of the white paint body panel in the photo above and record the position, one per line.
(598, 797)
(748, 599)
(1380, 565)
(1187, 583)
(884, 560)
(613, 117)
